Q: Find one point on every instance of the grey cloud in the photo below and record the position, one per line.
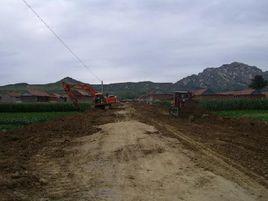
(122, 40)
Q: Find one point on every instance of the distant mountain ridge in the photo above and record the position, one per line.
(234, 76)
(126, 89)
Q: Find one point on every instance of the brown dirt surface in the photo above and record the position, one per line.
(132, 153)
(243, 141)
(18, 147)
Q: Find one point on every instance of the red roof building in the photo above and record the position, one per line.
(11, 97)
(34, 95)
(246, 93)
(201, 92)
(149, 98)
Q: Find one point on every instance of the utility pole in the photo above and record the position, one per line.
(102, 87)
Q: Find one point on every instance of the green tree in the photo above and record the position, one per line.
(258, 82)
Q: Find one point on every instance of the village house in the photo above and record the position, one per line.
(204, 93)
(11, 97)
(246, 93)
(208, 94)
(54, 97)
(34, 95)
(82, 96)
(152, 97)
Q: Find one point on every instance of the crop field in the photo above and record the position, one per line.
(14, 116)
(43, 107)
(253, 114)
(238, 108)
(13, 120)
(235, 104)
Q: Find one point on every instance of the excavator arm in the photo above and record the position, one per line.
(68, 88)
(99, 99)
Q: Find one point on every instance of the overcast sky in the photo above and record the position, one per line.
(129, 40)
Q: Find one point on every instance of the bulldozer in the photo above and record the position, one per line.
(181, 98)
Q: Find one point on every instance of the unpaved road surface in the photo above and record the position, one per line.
(125, 159)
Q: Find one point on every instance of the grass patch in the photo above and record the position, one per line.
(235, 104)
(165, 104)
(42, 107)
(254, 114)
(9, 121)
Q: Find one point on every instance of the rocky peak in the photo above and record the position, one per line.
(233, 76)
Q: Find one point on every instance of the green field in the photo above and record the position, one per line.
(43, 107)
(235, 104)
(254, 114)
(9, 121)
(14, 116)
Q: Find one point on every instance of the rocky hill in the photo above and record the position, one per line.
(234, 76)
(50, 87)
(136, 89)
(125, 90)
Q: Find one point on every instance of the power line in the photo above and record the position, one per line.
(80, 61)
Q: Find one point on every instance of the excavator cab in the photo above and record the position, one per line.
(100, 100)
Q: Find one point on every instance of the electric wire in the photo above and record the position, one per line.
(80, 61)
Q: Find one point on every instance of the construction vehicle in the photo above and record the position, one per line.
(181, 98)
(99, 100)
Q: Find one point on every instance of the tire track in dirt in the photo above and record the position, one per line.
(129, 160)
(230, 168)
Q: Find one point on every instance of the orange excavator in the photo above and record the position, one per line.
(99, 100)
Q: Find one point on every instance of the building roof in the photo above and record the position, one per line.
(14, 94)
(199, 92)
(35, 92)
(56, 95)
(156, 95)
(244, 92)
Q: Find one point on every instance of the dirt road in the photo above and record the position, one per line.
(126, 159)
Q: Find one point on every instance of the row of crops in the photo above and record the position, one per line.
(235, 104)
(43, 107)
(14, 116)
(15, 120)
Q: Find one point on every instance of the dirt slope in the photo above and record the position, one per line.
(241, 143)
(125, 159)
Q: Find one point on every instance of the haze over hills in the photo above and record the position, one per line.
(234, 76)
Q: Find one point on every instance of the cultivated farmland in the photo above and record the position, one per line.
(14, 116)
(235, 104)
(238, 108)
(254, 114)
